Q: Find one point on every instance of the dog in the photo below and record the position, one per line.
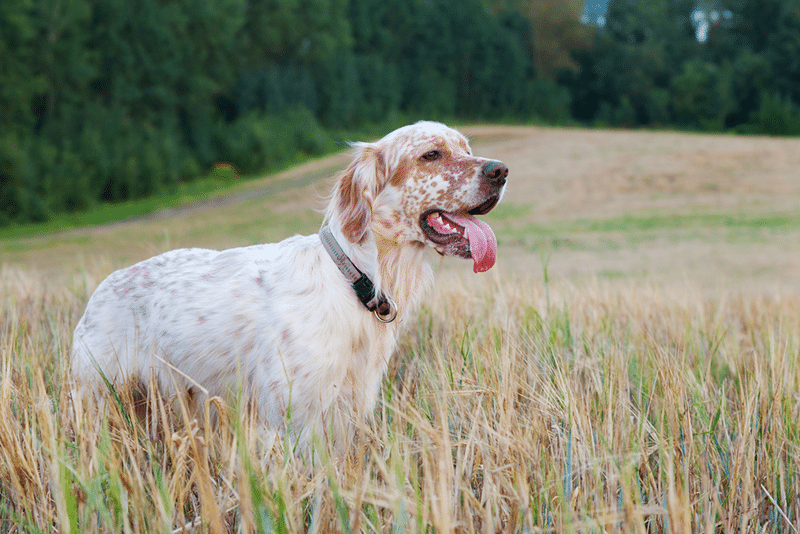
(304, 327)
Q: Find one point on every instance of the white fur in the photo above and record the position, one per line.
(280, 320)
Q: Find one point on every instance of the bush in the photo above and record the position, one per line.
(256, 142)
(380, 86)
(12, 158)
(430, 94)
(702, 95)
(549, 101)
(311, 137)
(341, 94)
(777, 115)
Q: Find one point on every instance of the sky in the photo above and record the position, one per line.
(595, 11)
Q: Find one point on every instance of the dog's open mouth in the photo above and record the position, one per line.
(461, 234)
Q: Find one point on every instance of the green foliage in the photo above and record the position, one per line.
(700, 95)
(549, 101)
(783, 50)
(108, 101)
(777, 115)
(255, 142)
(751, 76)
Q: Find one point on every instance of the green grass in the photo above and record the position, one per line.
(508, 211)
(673, 221)
(651, 222)
(202, 189)
(630, 229)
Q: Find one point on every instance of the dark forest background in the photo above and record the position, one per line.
(108, 100)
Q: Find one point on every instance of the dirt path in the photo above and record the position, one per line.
(295, 177)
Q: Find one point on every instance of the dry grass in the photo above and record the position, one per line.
(514, 408)
(649, 383)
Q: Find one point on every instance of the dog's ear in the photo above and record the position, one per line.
(355, 191)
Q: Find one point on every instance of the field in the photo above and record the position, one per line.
(632, 364)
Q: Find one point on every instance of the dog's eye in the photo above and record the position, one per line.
(432, 155)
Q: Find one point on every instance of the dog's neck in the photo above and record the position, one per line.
(400, 271)
(364, 255)
(405, 273)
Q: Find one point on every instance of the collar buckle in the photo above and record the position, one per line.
(383, 306)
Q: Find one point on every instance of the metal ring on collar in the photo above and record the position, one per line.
(392, 312)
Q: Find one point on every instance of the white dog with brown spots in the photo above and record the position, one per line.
(304, 327)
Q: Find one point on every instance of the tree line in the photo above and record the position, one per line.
(108, 100)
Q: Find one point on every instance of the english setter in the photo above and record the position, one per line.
(304, 327)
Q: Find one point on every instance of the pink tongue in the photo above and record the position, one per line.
(482, 242)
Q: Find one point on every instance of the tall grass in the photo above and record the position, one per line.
(595, 409)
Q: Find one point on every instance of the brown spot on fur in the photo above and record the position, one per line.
(401, 173)
(353, 205)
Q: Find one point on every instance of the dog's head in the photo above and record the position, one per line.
(422, 184)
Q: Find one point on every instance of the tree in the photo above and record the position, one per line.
(761, 40)
(556, 32)
(701, 96)
(783, 50)
(300, 31)
(625, 75)
(742, 24)
(751, 77)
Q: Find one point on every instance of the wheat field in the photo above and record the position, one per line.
(630, 365)
(524, 408)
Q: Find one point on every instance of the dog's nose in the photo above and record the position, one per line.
(495, 171)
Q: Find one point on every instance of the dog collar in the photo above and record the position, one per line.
(384, 307)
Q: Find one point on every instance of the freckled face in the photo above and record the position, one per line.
(435, 188)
